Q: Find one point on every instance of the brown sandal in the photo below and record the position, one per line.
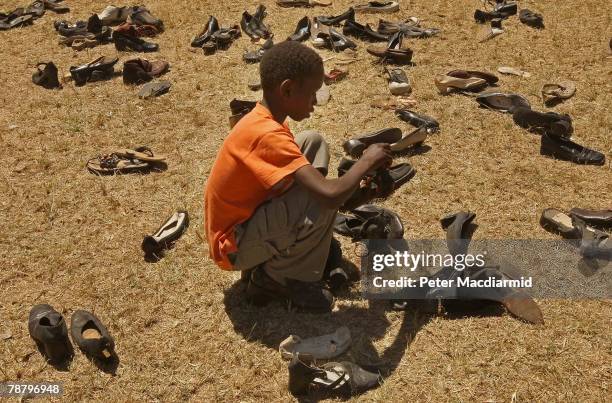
(125, 161)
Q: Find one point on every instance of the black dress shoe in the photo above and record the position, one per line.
(532, 19)
(358, 30)
(91, 335)
(256, 55)
(302, 31)
(260, 28)
(48, 329)
(101, 68)
(348, 15)
(340, 42)
(540, 122)
(418, 120)
(125, 42)
(565, 149)
(210, 28)
(47, 76)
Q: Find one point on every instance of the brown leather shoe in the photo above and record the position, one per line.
(599, 218)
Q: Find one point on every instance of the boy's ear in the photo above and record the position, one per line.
(286, 88)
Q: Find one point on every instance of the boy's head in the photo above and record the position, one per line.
(291, 74)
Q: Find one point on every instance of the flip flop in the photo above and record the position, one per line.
(369, 222)
(151, 90)
(321, 347)
(116, 164)
(503, 102)
(167, 234)
(553, 92)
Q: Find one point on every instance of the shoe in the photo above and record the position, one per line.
(319, 347)
(141, 16)
(418, 120)
(113, 15)
(492, 32)
(357, 145)
(447, 84)
(239, 109)
(339, 378)
(167, 234)
(124, 161)
(366, 32)
(124, 42)
(334, 41)
(556, 221)
(503, 102)
(513, 71)
(53, 6)
(137, 31)
(564, 149)
(261, 29)
(413, 139)
(491, 79)
(256, 55)
(532, 19)
(394, 52)
(101, 67)
(47, 76)
(91, 335)
(553, 93)
(598, 218)
(301, 3)
(311, 297)
(140, 71)
(594, 243)
(377, 7)
(505, 8)
(336, 20)
(540, 122)
(389, 28)
(211, 27)
(302, 31)
(319, 33)
(36, 9)
(334, 273)
(457, 235)
(48, 329)
(369, 222)
(399, 84)
(64, 28)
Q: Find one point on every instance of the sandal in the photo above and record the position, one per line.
(124, 161)
(369, 222)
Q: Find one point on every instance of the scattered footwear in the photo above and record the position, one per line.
(593, 243)
(598, 218)
(124, 161)
(91, 335)
(152, 90)
(333, 40)
(221, 39)
(502, 10)
(513, 71)
(502, 102)
(554, 93)
(253, 24)
(369, 222)
(256, 55)
(137, 31)
(113, 15)
(389, 28)
(302, 31)
(311, 297)
(564, 149)
(494, 30)
(47, 76)
(321, 347)
(418, 120)
(540, 122)
(203, 37)
(366, 32)
(378, 7)
(532, 19)
(166, 235)
(139, 15)
(464, 80)
(355, 146)
(48, 329)
(101, 68)
(394, 53)
(125, 42)
(339, 378)
(140, 71)
(399, 84)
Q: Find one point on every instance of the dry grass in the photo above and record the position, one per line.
(72, 239)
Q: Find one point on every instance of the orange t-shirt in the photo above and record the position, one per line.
(257, 154)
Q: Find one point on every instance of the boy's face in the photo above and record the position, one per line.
(299, 97)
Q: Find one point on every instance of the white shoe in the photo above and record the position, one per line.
(321, 347)
(415, 137)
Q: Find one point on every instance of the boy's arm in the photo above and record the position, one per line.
(332, 193)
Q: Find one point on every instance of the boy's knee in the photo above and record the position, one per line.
(311, 138)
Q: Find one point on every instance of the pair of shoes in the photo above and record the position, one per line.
(253, 25)
(329, 38)
(99, 69)
(369, 222)
(140, 71)
(126, 42)
(502, 10)
(122, 161)
(394, 52)
(48, 329)
(310, 297)
(212, 37)
(137, 15)
(353, 28)
(339, 378)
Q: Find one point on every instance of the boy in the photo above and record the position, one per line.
(268, 206)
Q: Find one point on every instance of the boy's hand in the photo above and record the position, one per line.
(377, 156)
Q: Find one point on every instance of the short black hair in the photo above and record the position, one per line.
(288, 60)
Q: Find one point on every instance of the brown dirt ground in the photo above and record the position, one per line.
(72, 239)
